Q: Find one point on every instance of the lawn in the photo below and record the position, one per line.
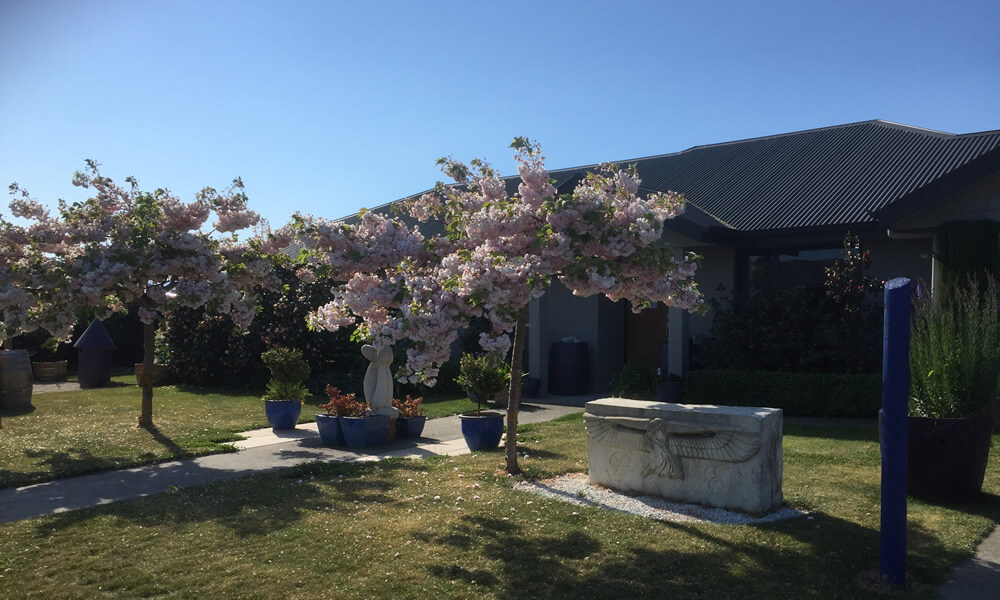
(454, 528)
(72, 433)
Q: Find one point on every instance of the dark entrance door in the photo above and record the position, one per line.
(644, 332)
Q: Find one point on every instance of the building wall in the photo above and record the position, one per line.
(977, 201)
(901, 258)
(718, 268)
(594, 320)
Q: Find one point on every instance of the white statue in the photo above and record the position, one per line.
(378, 380)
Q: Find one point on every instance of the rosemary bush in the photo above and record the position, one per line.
(954, 351)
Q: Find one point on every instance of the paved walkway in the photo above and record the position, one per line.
(265, 450)
(262, 451)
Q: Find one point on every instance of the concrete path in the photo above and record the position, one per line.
(978, 577)
(262, 451)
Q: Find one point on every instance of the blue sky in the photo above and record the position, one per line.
(327, 107)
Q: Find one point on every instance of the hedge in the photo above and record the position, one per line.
(798, 394)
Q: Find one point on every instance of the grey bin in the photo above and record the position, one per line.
(95, 347)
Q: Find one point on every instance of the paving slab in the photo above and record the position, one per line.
(977, 577)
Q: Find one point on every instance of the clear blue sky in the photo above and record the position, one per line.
(327, 107)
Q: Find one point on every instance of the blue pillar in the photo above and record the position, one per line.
(893, 424)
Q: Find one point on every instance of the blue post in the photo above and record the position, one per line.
(893, 423)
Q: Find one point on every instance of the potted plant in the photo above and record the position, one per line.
(161, 358)
(340, 405)
(410, 423)
(286, 389)
(44, 363)
(362, 428)
(954, 371)
(635, 381)
(483, 378)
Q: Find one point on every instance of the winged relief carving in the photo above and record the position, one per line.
(667, 441)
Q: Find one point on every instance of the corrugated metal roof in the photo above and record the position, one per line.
(836, 175)
(830, 176)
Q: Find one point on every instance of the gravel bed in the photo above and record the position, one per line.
(576, 489)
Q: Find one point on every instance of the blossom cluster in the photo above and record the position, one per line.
(125, 246)
(497, 252)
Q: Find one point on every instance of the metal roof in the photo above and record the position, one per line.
(820, 177)
(842, 175)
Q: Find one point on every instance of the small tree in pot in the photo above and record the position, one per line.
(955, 369)
(286, 389)
(482, 377)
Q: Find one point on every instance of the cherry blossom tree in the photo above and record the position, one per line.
(498, 251)
(33, 278)
(127, 247)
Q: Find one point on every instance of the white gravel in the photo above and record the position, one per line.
(576, 489)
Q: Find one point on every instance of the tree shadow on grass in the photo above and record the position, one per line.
(75, 461)
(250, 506)
(71, 462)
(816, 556)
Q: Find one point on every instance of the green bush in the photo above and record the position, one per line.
(288, 372)
(801, 328)
(483, 376)
(955, 351)
(206, 349)
(798, 394)
(634, 379)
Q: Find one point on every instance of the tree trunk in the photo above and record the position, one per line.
(146, 381)
(514, 401)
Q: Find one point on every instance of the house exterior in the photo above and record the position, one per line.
(784, 202)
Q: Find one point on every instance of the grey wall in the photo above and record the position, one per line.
(595, 320)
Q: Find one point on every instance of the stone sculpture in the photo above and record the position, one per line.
(669, 441)
(721, 456)
(378, 380)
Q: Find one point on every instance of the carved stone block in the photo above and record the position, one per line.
(720, 456)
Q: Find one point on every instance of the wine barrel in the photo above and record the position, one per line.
(50, 370)
(15, 379)
(569, 369)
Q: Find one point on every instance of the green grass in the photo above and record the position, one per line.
(444, 404)
(415, 529)
(73, 433)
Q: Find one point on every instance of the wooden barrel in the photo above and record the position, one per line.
(15, 379)
(50, 371)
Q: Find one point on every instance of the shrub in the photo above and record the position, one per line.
(483, 376)
(798, 394)
(833, 329)
(408, 408)
(955, 351)
(206, 349)
(288, 372)
(343, 405)
(635, 380)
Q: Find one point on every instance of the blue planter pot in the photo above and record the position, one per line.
(409, 427)
(482, 431)
(282, 414)
(329, 429)
(364, 432)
